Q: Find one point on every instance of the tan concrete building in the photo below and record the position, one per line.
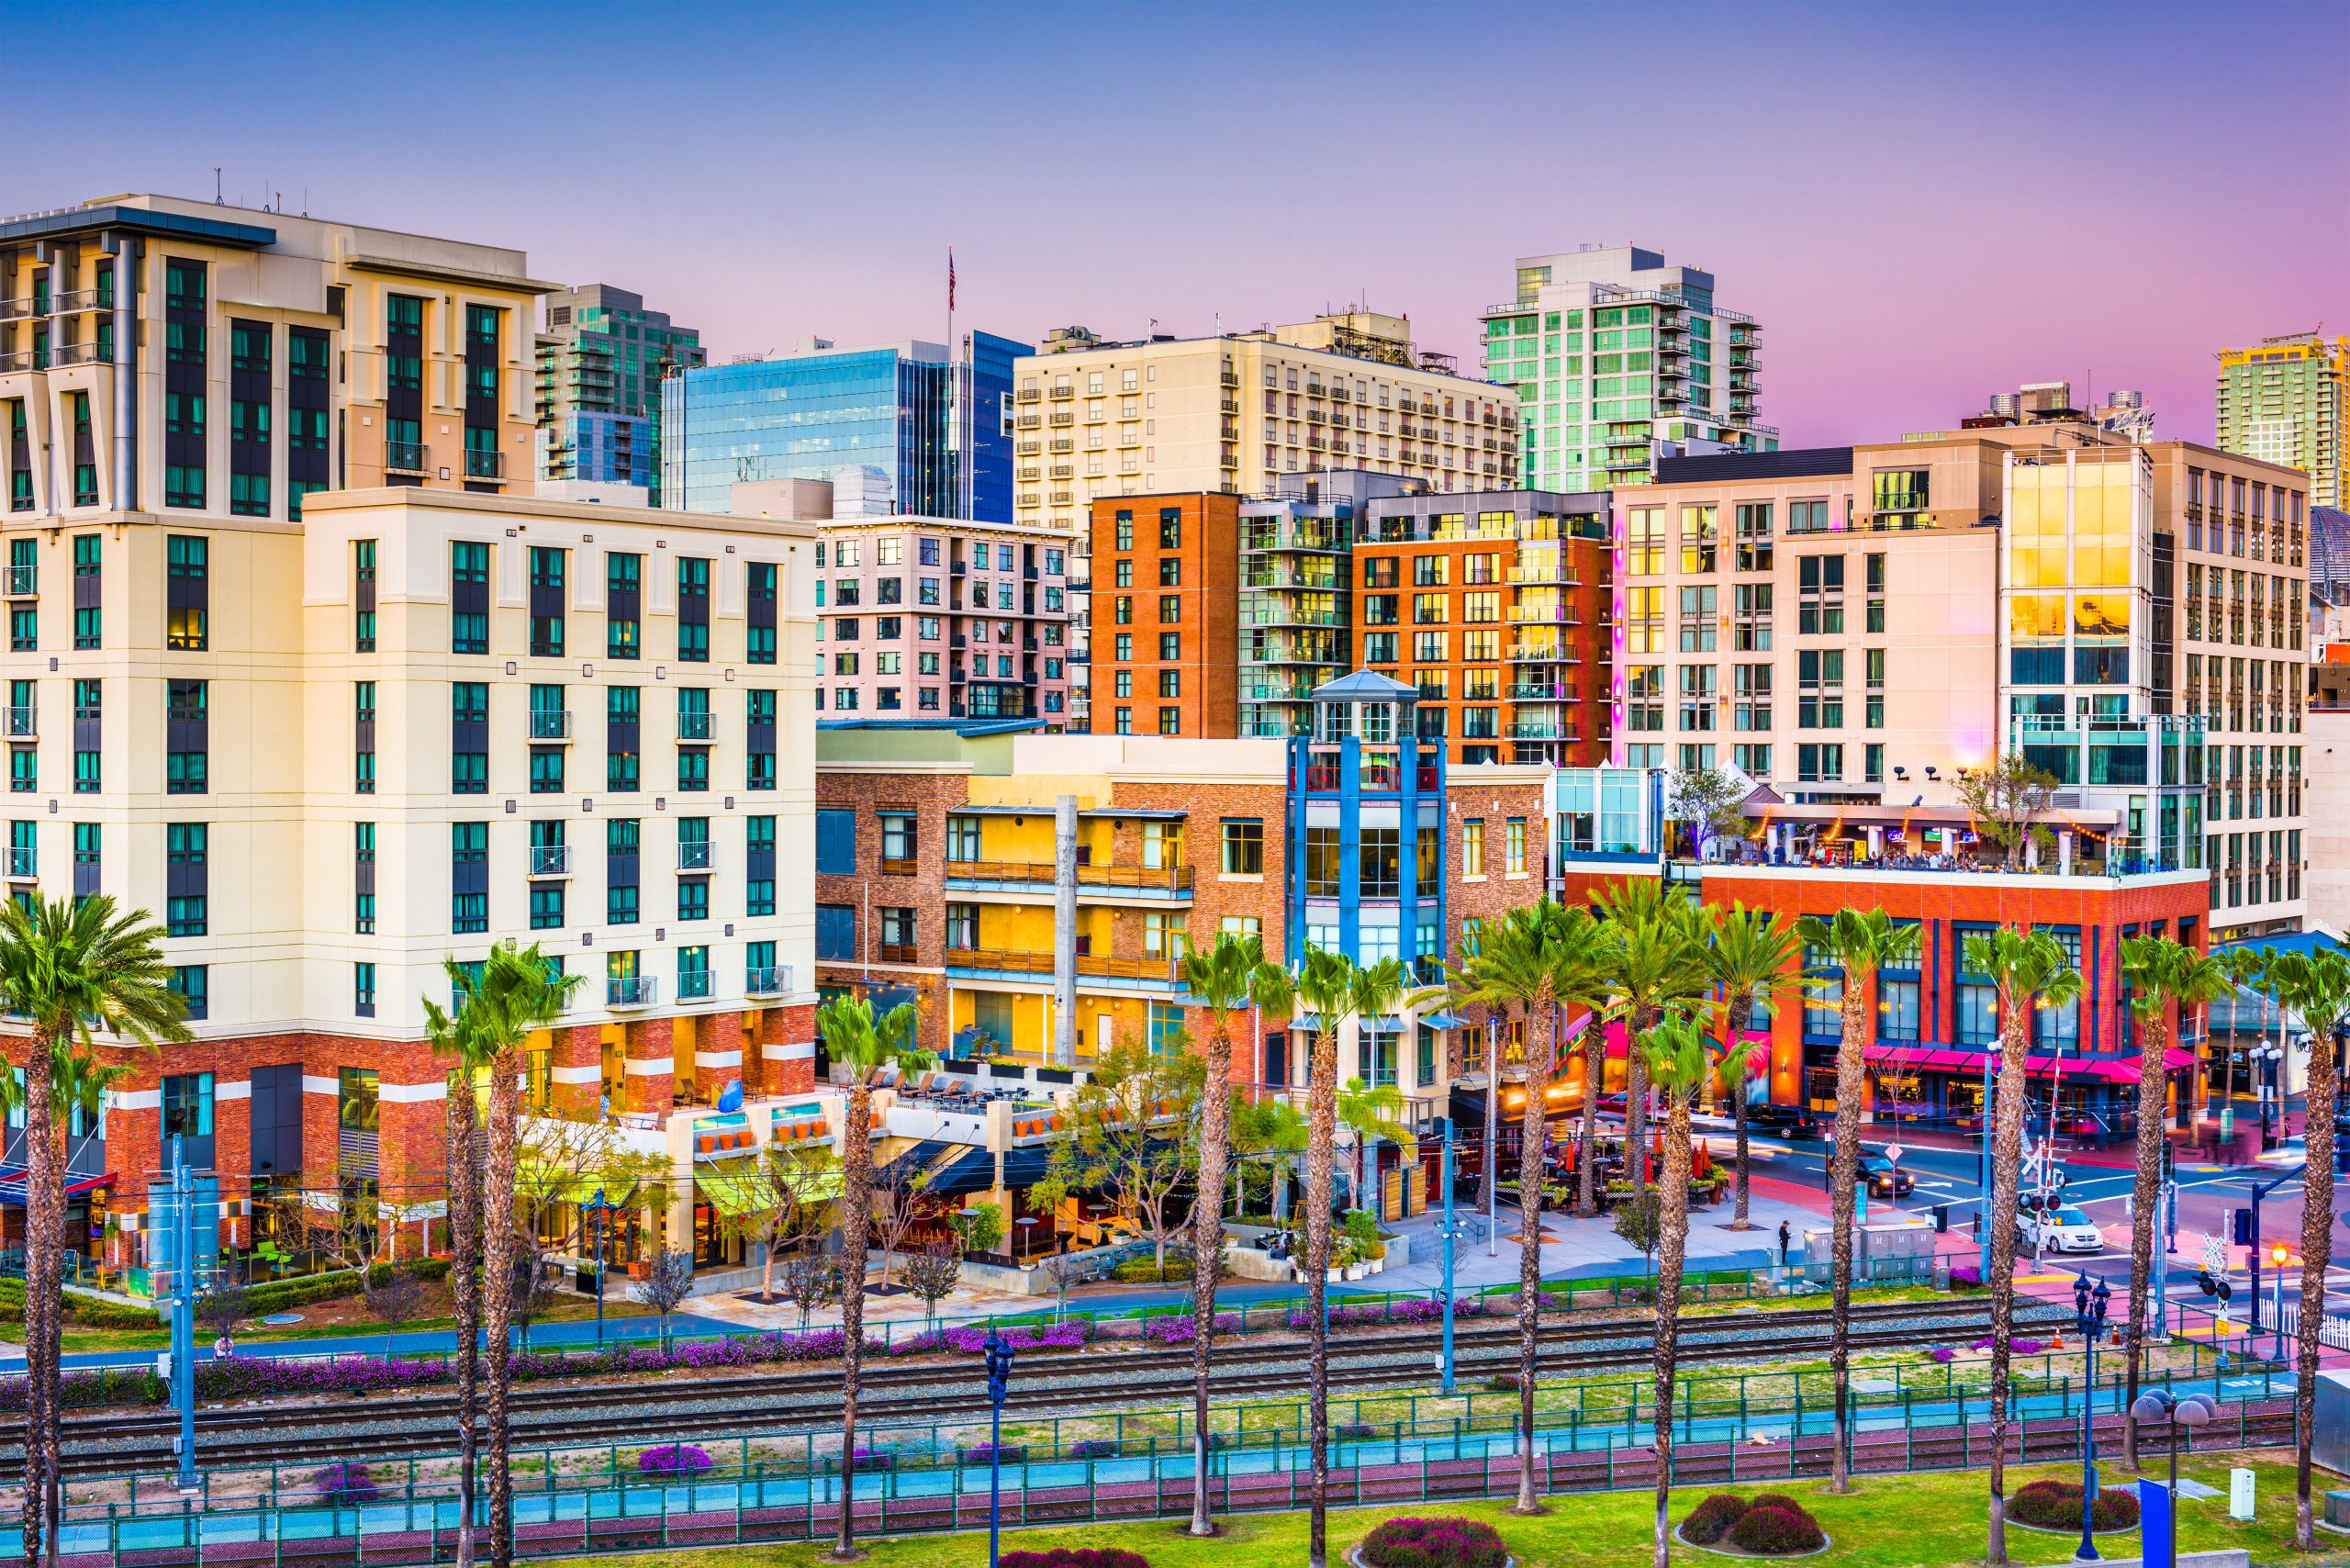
(1858, 625)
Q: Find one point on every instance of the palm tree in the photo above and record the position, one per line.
(453, 1039)
(1861, 942)
(1275, 1129)
(2318, 985)
(2246, 969)
(1334, 988)
(1372, 1114)
(860, 1044)
(71, 968)
(519, 993)
(1675, 1054)
(1750, 953)
(1662, 967)
(2163, 975)
(2030, 969)
(1228, 977)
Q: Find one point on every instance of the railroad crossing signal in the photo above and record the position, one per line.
(2215, 1255)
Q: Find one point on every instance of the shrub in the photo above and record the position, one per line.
(1434, 1543)
(1776, 1532)
(1778, 1500)
(674, 1459)
(1094, 1448)
(1419, 1310)
(1355, 1432)
(1144, 1272)
(1941, 1353)
(2056, 1505)
(1077, 1557)
(345, 1486)
(1711, 1519)
(1503, 1383)
(875, 1459)
(1182, 1328)
(1000, 1453)
(1967, 1279)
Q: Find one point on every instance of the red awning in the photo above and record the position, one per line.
(2105, 1069)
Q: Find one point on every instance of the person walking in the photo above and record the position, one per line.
(1787, 1242)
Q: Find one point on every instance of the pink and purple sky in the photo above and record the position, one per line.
(1922, 203)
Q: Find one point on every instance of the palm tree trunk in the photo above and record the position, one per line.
(1635, 1109)
(44, 1295)
(464, 1283)
(1530, 1246)
(498, 1254)
(1321, 1139)
(1673, 1245)
(52, 1345)
(2317, 1257)
(2145, 1197)
(1595, 1076)
(1850, 1085)
(856, 1214)
(1742, 1015)
(1207, 1252)
(2006, 1175)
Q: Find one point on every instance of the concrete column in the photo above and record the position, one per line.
(1877, 841)
(718, 1053)
(2065, 852)
(62, 255)
(126, 250)
(651, 1066)
(578, 1068)
(1065, 931)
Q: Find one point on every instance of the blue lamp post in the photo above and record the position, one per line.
(1449, 1228)
(998, 1385)
(2088, 1314)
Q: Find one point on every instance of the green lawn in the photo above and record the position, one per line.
(100, 1340)
(1909, 1521)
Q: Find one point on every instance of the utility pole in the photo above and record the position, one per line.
(182, 1221)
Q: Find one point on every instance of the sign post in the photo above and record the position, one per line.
(2157, 1536)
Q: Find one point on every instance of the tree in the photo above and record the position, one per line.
(931, 1273)
(223, 1306)
(2317, 986)
(1637, 1220)
(2007, 798)
(518, 991)
(858, 1044)
(393, 1296)
(811, 1280)
(566, 1172)
(1225, 978)
(1660, 968)
(785, 1192)
(1752, 956)
(1675, 1053)
(1860, 942)
(899, 1189)
(70, 968)
(2162, 976)
(1539, 960)
(2028, 969)
(1134, 1135)
(1374, 1116)
(668, 1281)
(1710, 801)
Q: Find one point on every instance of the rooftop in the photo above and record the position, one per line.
(1797, 463)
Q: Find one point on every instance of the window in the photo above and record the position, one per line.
(1171, 683)
(187, 1104)
(468, 859)
(1820, 688)
(1754, 546)
(624, 586)
(363, 990)
(193, 982)
(1472, 847)
(363, 867)
(1170, 529)
(1820, 584)
(1322, 873)
(1819, 764)
(1170, 721)
(546, 906)
(469, 737)
(468, 599)
(1806, 517)
(189, 559)
(1516, 841)
(1244, 846)
(1170, 609)
(185, 847)
(186, 762)
(1700, 539)
(693, 609)
(363, 558)
(547, 602)
(358, 1102)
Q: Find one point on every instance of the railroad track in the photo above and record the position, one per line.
(774, 1403)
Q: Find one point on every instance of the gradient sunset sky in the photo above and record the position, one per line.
(1922, 203)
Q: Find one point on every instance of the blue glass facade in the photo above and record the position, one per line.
(804, 416)
(616, 449)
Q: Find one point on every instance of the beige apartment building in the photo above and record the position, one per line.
(1858, 625)
(416, 718)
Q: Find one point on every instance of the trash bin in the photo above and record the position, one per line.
(1941, 1218)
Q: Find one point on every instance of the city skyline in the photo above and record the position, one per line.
(1854, 223)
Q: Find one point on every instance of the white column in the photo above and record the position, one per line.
(2065, 852)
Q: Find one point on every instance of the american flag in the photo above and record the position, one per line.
(950, 277)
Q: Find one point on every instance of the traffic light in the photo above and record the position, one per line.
(2241, 1219)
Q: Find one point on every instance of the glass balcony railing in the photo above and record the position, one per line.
(771, 979)
(404, 456)
(23, 581)
(636, 990)
(693, 855)
(694, 726)
(485, 465)
(550, 723)
(550, 861)
(694, 985)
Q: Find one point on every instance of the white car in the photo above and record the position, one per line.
(2059, 1230)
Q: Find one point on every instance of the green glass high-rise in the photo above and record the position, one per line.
(2289, 401)
(600, 362)
(1617, 359)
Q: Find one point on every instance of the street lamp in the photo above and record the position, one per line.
(998, 1385)
(2191, 1410)
(2088, 1313)
(1450, 1227)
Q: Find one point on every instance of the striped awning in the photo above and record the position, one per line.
(12, 1184)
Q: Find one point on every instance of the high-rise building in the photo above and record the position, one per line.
(1618, 359)
(1233, 413)
(259, 358)
(934, 425)
(600, 362)
(2287, 402)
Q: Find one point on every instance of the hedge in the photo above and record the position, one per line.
(276, 1295)
(87, 1311)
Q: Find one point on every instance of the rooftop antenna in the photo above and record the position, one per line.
(215, 187)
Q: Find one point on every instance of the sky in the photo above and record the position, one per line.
(1922, 204)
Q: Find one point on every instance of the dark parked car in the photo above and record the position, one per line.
(1881, 1176)
(1782, 1121)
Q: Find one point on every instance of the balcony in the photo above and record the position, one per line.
(898, 865)
(1142, 881)
(24, 582)
(404, 457)
(1154, 973)
(550, 723)
(23, 863)
(694, 729)
(550, 861)
(634, 993)
(694, 985)
(482, 464)
(772, 979)
(693, 855)
(897, 953)
(22, 722)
